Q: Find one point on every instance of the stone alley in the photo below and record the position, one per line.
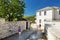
(28, 34)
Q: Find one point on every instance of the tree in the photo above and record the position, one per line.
(12, 9)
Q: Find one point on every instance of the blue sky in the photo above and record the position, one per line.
(33, 5)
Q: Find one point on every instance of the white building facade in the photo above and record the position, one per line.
(47, 14)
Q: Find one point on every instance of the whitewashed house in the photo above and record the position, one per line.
(48, 19)
(47, 14)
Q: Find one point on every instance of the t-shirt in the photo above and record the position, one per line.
(19, 30)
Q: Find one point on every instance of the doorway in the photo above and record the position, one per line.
(26, 25)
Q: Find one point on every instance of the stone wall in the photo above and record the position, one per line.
(34, 26)
(9, 28)
(53, 32)
(2, 21)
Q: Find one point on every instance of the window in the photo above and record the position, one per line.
(40, 25)
(44, 12)
(44, 19)
(59, 12)
(39, 13)
(40, 21)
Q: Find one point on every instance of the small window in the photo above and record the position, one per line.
(59, 12)
(44, 19)
(40, 25)
(40, 13)
(40, 21)
(44, 12)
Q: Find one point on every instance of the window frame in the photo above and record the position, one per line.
(59, 12)
(40, 21)
(39, 25)
(40, 13)
(44, 12)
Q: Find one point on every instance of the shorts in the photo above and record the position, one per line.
(19, 33)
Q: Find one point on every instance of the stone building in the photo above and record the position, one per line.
(47, 14)
(48, 19)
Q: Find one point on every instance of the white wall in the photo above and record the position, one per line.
(37, 18)
(50, 36)
(53, 32)
(56, 25)
(34, 26)
(43, 17)
(49, 13)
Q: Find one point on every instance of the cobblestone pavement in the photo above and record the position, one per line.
(24, 36)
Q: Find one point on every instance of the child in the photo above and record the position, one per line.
(19, 30)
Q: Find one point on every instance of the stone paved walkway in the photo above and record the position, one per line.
(24, 36)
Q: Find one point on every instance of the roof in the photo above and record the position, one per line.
(48, 8)
(24, 19)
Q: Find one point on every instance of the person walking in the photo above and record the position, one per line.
(19, 30)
